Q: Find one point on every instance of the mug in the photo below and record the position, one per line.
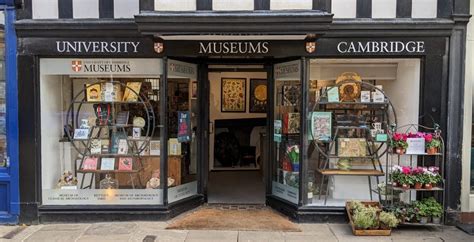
(374, 132)
(377, 125)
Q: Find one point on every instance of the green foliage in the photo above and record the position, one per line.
(366, 217)
(435, 143)
(435, 208)
(388, 219)
(423, 209)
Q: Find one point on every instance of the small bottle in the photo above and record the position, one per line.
(108, 182)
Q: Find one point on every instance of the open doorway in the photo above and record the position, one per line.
(238, 124)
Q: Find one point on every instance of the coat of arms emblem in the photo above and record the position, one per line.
(76, 65)
(310, 47)
(159, 47)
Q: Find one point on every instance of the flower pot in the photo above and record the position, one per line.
(432, 150)
(406, 186)
(395, 184)
(428, 186)
(399, 150)
(418, 185)
(436, 220)
(423, 220)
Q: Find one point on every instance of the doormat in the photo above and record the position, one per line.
(468, 228)
(210, 218)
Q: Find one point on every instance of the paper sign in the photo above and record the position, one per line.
(416, 146)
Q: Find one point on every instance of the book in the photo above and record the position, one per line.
(111, 92)
(333, 94)
(122, 147)
(81, 133)
(96, 146)
(107, 164)
(365, 96)
(174, 147)
(320, 126)
(277, 126)
(129, 95)
(352, 147)
(114, 141)
(125, 164)
(93, 93)
(122, 118)
(143, 147)
(90, 163)
(155, 147)
(184, 126)
(291, 123)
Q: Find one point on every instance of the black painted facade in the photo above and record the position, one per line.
(441, 97)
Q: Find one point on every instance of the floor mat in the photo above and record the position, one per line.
(468, 228)
(241, 218)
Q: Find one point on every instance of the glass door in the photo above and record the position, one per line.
(285, 147)
(182, 114)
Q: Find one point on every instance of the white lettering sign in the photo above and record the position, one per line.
(245, 47)
(286, 192)
(381, 47)
(97, 46)
(102, 196)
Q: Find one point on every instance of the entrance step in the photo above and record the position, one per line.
(235, 206)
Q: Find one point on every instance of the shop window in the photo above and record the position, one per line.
(286, 139)
(182, 130)
(100, 131)
(343, 114)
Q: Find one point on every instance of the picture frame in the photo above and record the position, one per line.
(81, 134)
(93, 93)
(258, 96)
(233, 95)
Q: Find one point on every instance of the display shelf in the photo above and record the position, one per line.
(434, 189)
(105, 102)
(353, 172)
(425, 154)
(112, 155)
(107, 171)
(349, 157)
(354, 103)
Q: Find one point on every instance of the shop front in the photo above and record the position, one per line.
(105, 112)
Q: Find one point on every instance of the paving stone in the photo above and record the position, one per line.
(343, 233)
(303, 237)
(51, 233)
(6, 229)
(111, 229)
(161, 235)
(152, 225)
(315, 228)
(25, 233)
(104, 238)
(260, 236)
(211, 235)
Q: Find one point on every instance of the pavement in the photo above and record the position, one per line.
(156, 231)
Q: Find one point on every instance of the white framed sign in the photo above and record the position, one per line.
(416, 146)
(102, 196)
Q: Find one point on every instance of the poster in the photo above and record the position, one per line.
(233, 95)
(184, 126)
(291, 95)
(258, 96)
(320, 126)
(277, 125)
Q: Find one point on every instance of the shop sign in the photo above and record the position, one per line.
(234, 47)
(80, 66)
(102, 196)
(93, 47)
(181, 192)
(288, 70)
(178, 69)
(285, 192)
(380, 47)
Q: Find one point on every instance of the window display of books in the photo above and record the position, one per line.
(109, 143)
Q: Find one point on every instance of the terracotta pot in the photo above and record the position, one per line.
(406, 186)
(399, 150)
(432, 150)
(428, 186)
(418, 185)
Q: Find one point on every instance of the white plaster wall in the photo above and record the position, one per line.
(175, 5)
(126, 8)
(344, 8)
(424, 8)
(232, 5)
(467, 198)
(384, 8)
(85, 8)
(45, 9)
(215, 102)
(290, 4)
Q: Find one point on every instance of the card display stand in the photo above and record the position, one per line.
(80, 108)
(352, 125)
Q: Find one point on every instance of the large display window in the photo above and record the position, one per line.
(351, 106)
(101, 131)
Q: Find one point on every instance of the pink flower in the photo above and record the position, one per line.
(406, 170)
(404, 137)
(428, 138)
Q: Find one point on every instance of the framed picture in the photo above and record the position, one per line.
(321, 126)
(81, 134)
(258, 96)
(194, 90)
(93, 93)
(233, 95)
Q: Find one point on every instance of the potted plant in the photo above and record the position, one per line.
(399, 143)
(418, 177)
(432, 144)
(423, 211)
(435, 209)
(396, 173)
(406, 179)
(433, 178)
(388, 220)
